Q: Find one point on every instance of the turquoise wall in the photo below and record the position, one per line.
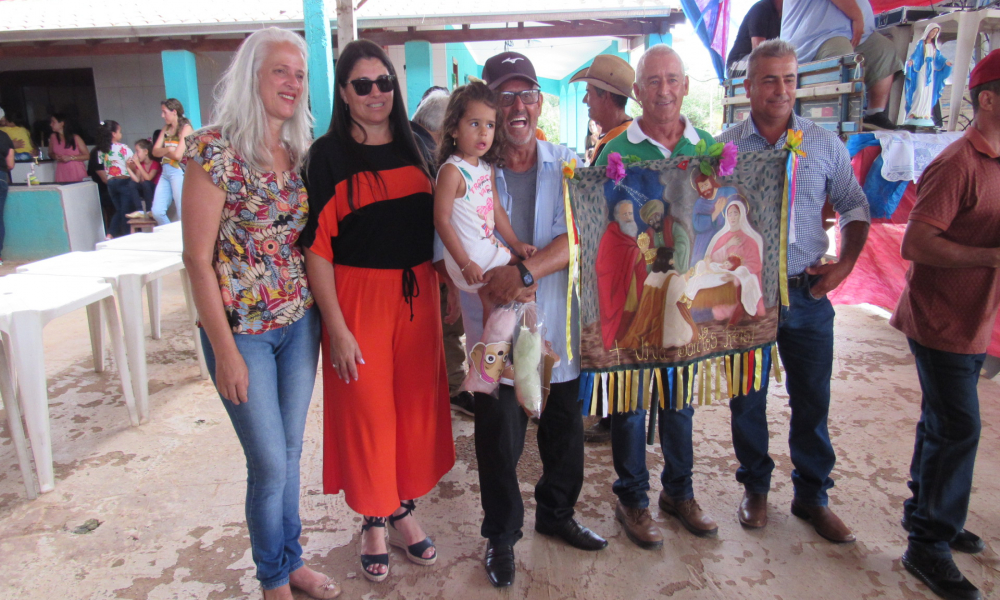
(466, 64)
(180, 79)
(35, 224)
(419, 73)
(318, 38)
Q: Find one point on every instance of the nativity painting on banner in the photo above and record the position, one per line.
(680, 264)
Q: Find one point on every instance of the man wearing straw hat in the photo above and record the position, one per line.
(609, 82)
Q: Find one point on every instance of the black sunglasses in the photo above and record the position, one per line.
(363, 87)
(527, 97)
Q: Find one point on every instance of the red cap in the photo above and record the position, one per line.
(986, 70)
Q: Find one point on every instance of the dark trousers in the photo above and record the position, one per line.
(500, 427)
(3, 202)
(454, 347)
(805, 343)
(146, 190)
(945, 450)
(628, 452)
(125, 197)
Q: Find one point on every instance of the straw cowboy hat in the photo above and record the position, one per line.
(609, 73)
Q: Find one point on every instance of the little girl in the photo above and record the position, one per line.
(145, 172)
(466, 206)
(113, 157)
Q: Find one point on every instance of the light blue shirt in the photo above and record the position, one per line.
(550, 222)
(806, 24)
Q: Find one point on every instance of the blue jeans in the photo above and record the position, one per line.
(805, 343)
(945, 450)
(168, 190)
(628, 453)
(282, 365)
(4, 186)
(125, 197)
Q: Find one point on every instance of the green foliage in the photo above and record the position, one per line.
(549, 119)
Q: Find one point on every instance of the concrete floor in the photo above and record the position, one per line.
(169, 497)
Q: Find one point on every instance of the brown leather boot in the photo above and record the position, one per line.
(824, 522)
(639, 526)
(753, 510)
(689, 514)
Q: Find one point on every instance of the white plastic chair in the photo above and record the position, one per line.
(27, 304)
(127, 271)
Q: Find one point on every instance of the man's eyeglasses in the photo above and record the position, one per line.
(527, 97)
(363, 87)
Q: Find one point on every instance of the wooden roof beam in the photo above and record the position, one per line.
(577, 29)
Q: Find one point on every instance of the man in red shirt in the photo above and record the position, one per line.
(947, 312)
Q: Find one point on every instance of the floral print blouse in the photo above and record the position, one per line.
(114, 161)
(260, 267)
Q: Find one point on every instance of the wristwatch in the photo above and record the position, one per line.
(526, 277)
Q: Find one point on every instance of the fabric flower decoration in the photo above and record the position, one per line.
(727, 162)
(683, 164)
(793, 142)
(569, 169)
(616, 169)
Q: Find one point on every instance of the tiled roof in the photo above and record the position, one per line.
(67, 19)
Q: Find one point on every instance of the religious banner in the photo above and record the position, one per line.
(680, 266)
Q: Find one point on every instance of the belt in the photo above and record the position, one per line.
(799, 281)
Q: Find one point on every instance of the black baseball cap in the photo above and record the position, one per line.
(508, 65)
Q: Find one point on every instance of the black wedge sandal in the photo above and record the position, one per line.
(414, 552)
(367, 560)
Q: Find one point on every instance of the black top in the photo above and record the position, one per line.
(6, 145)
(387, 223)
(762, 20)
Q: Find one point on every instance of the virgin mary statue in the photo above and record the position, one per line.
(925, 74)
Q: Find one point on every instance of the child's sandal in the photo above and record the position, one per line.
(414, 552)
(368, 560)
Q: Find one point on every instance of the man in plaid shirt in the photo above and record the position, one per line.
(805, 330)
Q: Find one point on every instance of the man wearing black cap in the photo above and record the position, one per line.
(947, 311)
(530, 188)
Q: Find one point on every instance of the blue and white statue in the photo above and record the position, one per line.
(925, 74)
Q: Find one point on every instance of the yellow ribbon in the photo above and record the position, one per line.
(659, 387)
(569, 170)
(783, 246)
(758, 358)
(775, 363)
(593, 398)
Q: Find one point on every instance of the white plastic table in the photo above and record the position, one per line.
(127, 271)
(175, 226)
(161, 241)
(166, 241)
(27, 303)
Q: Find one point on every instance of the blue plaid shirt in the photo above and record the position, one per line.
(825, 171)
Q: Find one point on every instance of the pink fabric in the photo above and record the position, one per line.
(880, 274)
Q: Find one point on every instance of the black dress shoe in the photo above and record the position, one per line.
(500, 564)
(965, 541)
(574, 534)
(941, 575)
